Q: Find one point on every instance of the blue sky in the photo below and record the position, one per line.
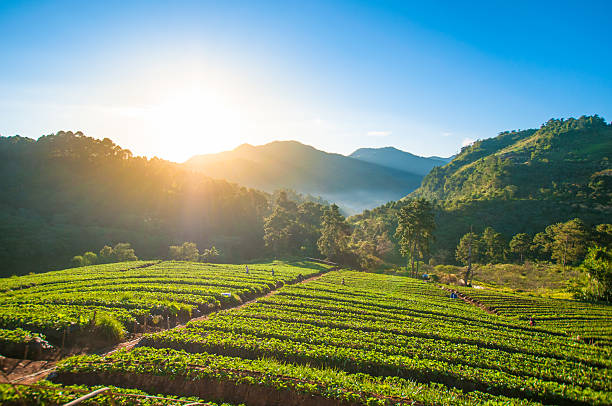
(178, 78)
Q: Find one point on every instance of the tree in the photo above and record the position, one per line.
(123, 251)
(468, 252)
(493, 245)
(564, 242)
(280, 227)
(415, 230)
(333, 243)
(90, 258)
(209, 254)
(598, 265)
(106, 255)
(365, 252)
(602, 235)
(309, 220)
(77, 260)
(188, 251)
(520, 245)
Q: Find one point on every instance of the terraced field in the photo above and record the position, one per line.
(582, 321)
(351, 338)
(108, 302)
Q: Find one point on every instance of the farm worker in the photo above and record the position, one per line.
(531, 322)
(453, 295)
(272, 271)
(343, 281)
(247, 269)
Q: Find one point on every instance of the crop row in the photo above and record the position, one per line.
(378, 364)
(492, 336)
(563, 371)
(588, 321)
(272, 374)
(134, 292)
(48, 393)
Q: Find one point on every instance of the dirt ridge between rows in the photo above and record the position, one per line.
(470, 300)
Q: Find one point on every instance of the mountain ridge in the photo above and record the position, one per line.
(353, 183)
(395, 158)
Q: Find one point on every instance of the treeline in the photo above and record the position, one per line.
(119, 253)
(518, 182)
(67, 193)
(564, 243)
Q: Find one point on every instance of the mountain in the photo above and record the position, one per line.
(401, 160)
(66, 193)
(518, 182)
(564, 160)
(352, 183)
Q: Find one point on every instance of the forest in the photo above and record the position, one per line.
(68, 194)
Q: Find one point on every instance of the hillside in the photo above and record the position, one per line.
(566, 160)
(352, 183)
(517, 182)
(401, 160)
(312, 336)
(67, 193)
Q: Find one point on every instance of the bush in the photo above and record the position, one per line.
(108, 328)
(77, 261)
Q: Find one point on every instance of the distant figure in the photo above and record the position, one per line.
(453, 295)
(531, 321)
(272, 271)
(300, 277)
(247, 269)
(343, 283)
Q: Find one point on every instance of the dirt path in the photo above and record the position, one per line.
(130, 344)
(469, 300)
(28, 372)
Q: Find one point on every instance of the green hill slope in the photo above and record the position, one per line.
(517, 182)
(522, 181)
(66, 193)
(566, 160)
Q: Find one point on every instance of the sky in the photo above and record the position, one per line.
(178, 78)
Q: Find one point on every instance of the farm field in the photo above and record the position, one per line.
(351, 338)
(581, 321)
(106, 303)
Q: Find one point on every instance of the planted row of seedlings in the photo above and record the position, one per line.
(105, 303)
(355, 338)
(587, 322)
(47, 393)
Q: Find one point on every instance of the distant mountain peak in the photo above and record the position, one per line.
(398, 159)
(355, 184)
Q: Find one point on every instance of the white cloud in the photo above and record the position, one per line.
(379, 133)
(447, 134)
(467, 141)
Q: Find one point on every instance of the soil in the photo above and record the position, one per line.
(470, 300)
(23, 370)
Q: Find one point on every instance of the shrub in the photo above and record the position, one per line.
(108, 328)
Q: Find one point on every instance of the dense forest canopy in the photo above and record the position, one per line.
(518, 182)
(66, 193)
